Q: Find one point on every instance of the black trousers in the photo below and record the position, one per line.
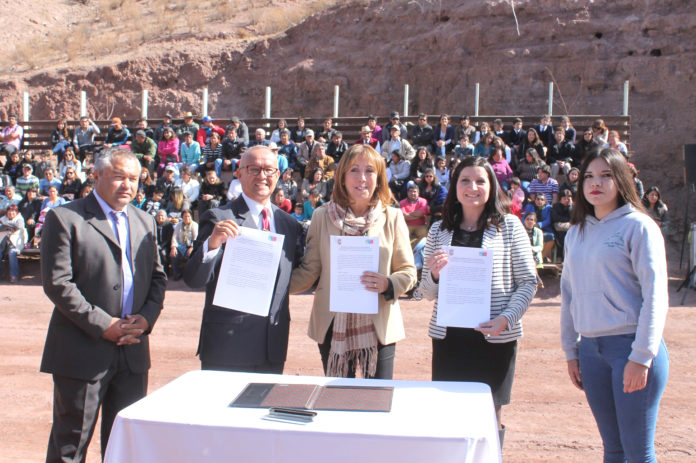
(76, 404)
(385, 358)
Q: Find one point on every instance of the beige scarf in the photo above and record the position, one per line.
(354, 337)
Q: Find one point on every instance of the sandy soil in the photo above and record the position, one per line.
(548, 419)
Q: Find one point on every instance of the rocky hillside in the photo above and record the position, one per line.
(441, 49)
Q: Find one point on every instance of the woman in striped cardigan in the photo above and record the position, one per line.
(474, 216)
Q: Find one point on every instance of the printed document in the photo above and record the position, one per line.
(248, 271)
(350, 257)
(464, 292)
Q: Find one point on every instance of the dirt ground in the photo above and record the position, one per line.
(548, 419)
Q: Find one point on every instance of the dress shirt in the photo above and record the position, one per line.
(122, 233)
(255, 209)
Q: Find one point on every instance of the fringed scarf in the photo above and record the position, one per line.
(354, 337)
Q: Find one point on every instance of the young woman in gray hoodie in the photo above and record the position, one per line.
(614, 306)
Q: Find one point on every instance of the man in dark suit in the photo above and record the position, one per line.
(545, 131)
(516, 137)
(231, 340)
(107, 297)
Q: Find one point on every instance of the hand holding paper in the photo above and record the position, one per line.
(248, 271)
(221, 232)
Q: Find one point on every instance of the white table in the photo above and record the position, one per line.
(189, 420)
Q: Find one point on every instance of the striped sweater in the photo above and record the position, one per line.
(513, 280)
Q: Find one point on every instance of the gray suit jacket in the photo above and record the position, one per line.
(233, 338)
(81, 273)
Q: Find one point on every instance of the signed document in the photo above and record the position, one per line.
(350, 257)
(248, 271)
(464, 292)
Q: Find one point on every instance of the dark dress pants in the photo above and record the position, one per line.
(76, 406)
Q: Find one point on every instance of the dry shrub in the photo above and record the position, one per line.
(31, 53)
(130, 11)
(194, 22)
(227, 10)
(104, 42)
(243, 33)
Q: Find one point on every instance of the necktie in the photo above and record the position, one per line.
(265, 221)
(126, 270)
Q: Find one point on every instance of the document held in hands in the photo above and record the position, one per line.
(350, 257)
(248, 271)
(464, 290)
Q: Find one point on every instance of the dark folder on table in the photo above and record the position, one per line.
(314, 397)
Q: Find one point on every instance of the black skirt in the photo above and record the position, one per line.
(465, 355)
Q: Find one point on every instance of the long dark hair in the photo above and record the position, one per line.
(494, 210)
(622, 176)
(646, 202)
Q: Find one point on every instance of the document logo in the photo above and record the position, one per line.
(272, 238)
(367, 241)
(483, 253)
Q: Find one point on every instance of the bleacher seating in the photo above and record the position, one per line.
(37, 134)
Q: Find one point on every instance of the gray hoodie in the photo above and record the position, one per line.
(614, 282)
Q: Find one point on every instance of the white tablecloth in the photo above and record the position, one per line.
(189, 420)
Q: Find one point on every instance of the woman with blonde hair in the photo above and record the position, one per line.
(358, 207)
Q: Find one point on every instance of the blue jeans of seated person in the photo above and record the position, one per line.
(179, 260)
(626, 422)
(7, 248)
(60, 147)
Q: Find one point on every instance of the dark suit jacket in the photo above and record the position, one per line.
(449, 135)
(81, 274)
(233, 338)
(546, 136)
(516, 138)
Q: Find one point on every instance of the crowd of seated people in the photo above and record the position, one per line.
(191, 167)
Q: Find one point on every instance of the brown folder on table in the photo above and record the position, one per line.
(314, 397)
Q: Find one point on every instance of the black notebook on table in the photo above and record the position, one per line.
(314, 397)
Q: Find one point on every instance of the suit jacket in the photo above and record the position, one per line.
(81, 274)
(546, 135)
(449, 137)
(233, 338)
(516, 138)
(395, 262)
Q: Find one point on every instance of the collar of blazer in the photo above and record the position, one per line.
(95, 217)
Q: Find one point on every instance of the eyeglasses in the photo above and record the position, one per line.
(70, 172)
(267, 171)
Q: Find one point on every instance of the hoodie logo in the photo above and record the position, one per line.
(615, 240)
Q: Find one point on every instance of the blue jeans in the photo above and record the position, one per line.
(6, 247)
(60, 147)
(626, 422)
(179, 260)
(419, 254)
